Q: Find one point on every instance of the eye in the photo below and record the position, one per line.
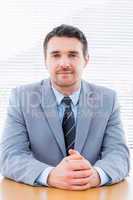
(72, 55)
(56, 55)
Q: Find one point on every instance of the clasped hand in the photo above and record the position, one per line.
(74, 172)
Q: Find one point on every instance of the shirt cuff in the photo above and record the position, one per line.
(103, 176)
(42, 179)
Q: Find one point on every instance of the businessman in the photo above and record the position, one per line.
(64, 132)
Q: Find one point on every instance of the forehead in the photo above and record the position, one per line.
(64, 44)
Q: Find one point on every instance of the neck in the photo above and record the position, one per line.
(67, 90)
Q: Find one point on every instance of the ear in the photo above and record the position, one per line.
(45, 63)
(87, 59)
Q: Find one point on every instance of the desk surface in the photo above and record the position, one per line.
(10, 190)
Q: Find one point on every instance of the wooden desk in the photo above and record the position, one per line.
(10, 190)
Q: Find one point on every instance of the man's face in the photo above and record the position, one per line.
(65, 61)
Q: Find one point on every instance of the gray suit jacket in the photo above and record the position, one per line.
(33, 138)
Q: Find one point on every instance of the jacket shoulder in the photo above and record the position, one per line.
(28, 88)
(99, 89)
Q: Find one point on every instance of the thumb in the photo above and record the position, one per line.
(75, 153)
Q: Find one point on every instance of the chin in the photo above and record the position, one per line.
(65, 83)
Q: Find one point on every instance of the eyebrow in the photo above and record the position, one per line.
(73, 52)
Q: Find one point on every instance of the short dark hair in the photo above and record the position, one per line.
(67, 31)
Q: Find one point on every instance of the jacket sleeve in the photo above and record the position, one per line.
(114, 157)
(17, 161)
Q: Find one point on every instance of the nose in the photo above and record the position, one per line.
(64, 63)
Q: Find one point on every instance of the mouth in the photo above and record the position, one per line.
(64, 73)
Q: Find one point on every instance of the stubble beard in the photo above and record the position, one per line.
(66, 88)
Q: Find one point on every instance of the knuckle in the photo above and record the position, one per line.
(81, 182)
(69, 175)
(87, 173)
(69, 168)
(87, 163)
(86, 186)
(84, 181)
(68, 181)
(84, 174)
(75, 175)
(82, 166)
(66, 159)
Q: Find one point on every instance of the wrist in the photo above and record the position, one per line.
(98, 179)
(49, 178)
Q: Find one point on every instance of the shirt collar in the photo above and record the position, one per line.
(59, 96)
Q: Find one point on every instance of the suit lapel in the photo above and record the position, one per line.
(49, 106)
(88, 104)
(84, 117)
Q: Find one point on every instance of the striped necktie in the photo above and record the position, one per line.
(68, 124)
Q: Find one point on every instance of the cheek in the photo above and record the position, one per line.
(79, 68)
(52, 70)
(52, 67)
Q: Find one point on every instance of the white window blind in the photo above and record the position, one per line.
(108, 26)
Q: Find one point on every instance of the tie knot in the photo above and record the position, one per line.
(67, 100)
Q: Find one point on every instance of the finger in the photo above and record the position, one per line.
(72, 157)
(79, 181)
(73, 151)
(79, 165)
(76, 153)
(79, 187)
(75, 157)
(80, 174)
(94, 179)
